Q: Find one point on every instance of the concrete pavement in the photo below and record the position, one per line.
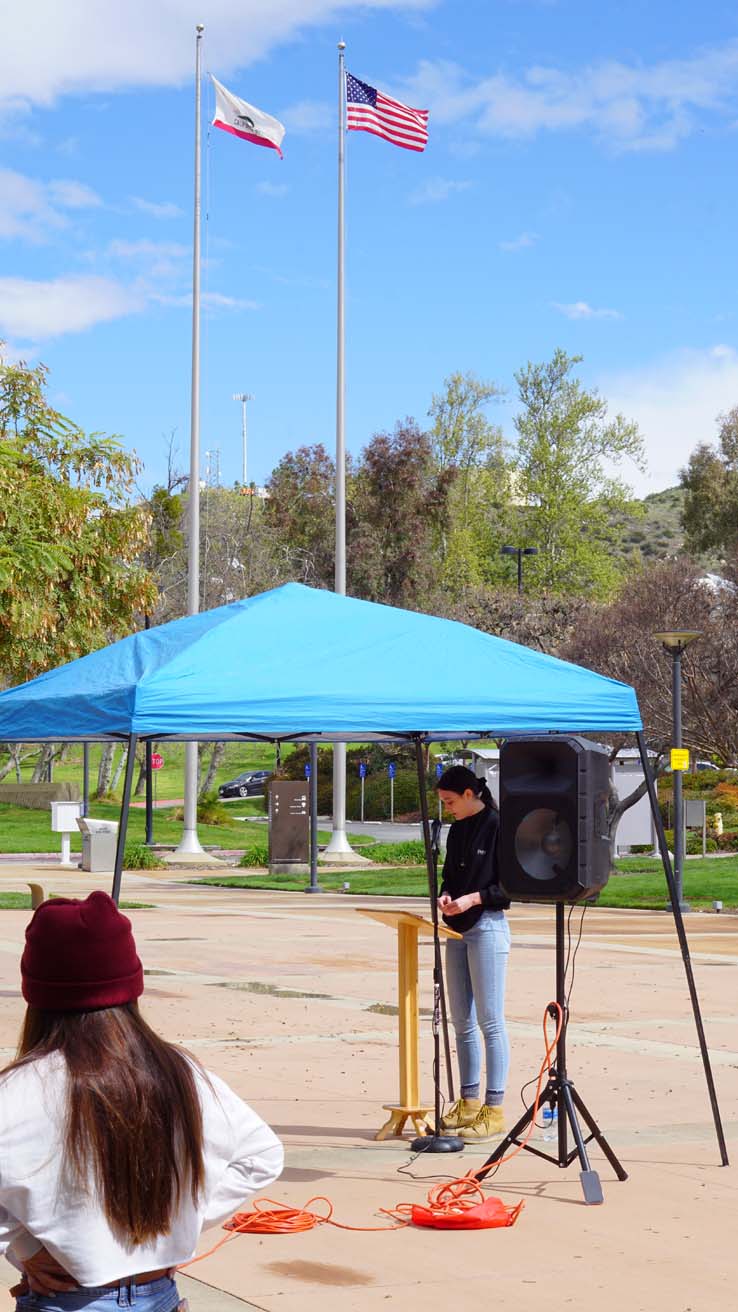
(292, 1000)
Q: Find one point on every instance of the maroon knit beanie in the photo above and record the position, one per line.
(80, 956)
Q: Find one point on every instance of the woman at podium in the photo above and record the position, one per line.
(473, 904)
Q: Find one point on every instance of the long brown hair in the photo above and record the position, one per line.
(134, 1121)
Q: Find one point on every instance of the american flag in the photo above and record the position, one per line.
(369, 111)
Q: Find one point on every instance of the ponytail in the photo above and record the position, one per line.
(458, 778)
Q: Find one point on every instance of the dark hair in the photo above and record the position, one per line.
(458, 778)
(134, 1121)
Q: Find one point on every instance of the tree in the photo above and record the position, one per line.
(300, 514)
(400, 508)
(545, 621)
(70, 578)
(710, 483)
(617, 640)
(568, 504)
(467, 445)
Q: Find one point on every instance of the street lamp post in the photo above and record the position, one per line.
(243, 397)
(674, 643)
(519, 552)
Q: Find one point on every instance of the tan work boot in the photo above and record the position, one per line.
(487, 1124)
(462, 1112)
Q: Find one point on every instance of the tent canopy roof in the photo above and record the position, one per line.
(301, 663)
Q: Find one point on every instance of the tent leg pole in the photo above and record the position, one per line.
(124, 809)
(683, 944)
(431, 865)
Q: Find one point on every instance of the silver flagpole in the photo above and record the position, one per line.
(190, 844)
(338, 848)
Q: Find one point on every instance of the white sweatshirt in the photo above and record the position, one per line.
(38, 1208)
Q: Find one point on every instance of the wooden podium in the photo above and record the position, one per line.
(408, 927)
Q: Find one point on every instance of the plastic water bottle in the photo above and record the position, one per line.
(550, 1117)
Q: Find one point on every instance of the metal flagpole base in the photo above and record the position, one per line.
(438, 1143)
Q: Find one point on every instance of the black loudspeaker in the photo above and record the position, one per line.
(553, 845)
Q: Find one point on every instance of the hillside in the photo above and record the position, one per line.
(658, 533)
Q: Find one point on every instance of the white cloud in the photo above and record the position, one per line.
(165, 209)
(630, 106)
(274, 189)
(34, 311)
(73, 195)
(309, 116)
(581, 310)
(158, 260)
(521, 243)
(675, 401)
(31, 209)
(437, 189)
(105, 46)
(209, 300)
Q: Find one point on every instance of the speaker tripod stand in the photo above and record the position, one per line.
(560, 1094)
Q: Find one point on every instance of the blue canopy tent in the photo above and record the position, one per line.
(301, 664)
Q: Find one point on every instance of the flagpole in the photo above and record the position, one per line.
(190, 845)
(339, 848)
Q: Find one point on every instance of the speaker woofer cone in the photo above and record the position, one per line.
(543, 844)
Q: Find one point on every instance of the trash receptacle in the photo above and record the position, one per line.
(99, 841)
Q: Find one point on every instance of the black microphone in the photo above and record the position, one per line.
(436, 828)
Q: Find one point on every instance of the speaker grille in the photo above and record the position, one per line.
(544, 844)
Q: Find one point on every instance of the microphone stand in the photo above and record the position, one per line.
(437, 1142)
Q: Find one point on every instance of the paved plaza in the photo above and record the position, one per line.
(291, 999)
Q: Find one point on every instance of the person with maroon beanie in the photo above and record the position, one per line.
(116, 1147)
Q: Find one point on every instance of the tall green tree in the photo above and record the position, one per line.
(400, 508)
(568, 502)
(710, 483)
(467, 444)
(70, 577)
(300, 513)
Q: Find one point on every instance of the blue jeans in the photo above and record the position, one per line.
(158, 1296)
(476, 966)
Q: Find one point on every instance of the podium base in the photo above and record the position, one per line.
(399, 1114)
(437, 1143)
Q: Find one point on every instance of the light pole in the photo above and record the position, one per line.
(519, 552)
(243, 397)
(674, 644)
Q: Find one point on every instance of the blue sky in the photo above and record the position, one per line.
(578, 190)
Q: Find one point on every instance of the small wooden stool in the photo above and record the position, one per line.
(409, 1106)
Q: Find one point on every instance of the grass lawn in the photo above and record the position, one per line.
(22, 902)
(23, 830)
(640, 883)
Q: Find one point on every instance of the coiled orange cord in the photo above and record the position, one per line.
(452, 1198)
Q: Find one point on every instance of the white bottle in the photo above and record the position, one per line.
(550, 1116)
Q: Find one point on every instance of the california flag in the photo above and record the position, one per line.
(235, 115)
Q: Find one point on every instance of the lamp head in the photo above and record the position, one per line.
(508, 551)
(676, 640)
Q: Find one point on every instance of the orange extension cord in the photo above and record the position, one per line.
(449, 1199)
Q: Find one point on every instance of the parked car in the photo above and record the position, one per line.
(249, 784)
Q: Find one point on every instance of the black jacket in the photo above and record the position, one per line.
(471, 866)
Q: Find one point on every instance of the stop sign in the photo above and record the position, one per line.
(157, 761)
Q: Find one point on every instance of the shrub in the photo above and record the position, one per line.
(727, 794)
(726, 842)
(256, 856)
(411, 853)
(210, 811)
(137, 856)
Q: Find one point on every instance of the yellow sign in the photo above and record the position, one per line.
(679, 758)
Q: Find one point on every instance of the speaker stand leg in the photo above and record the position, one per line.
(598, 1136)
(560, 1092)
